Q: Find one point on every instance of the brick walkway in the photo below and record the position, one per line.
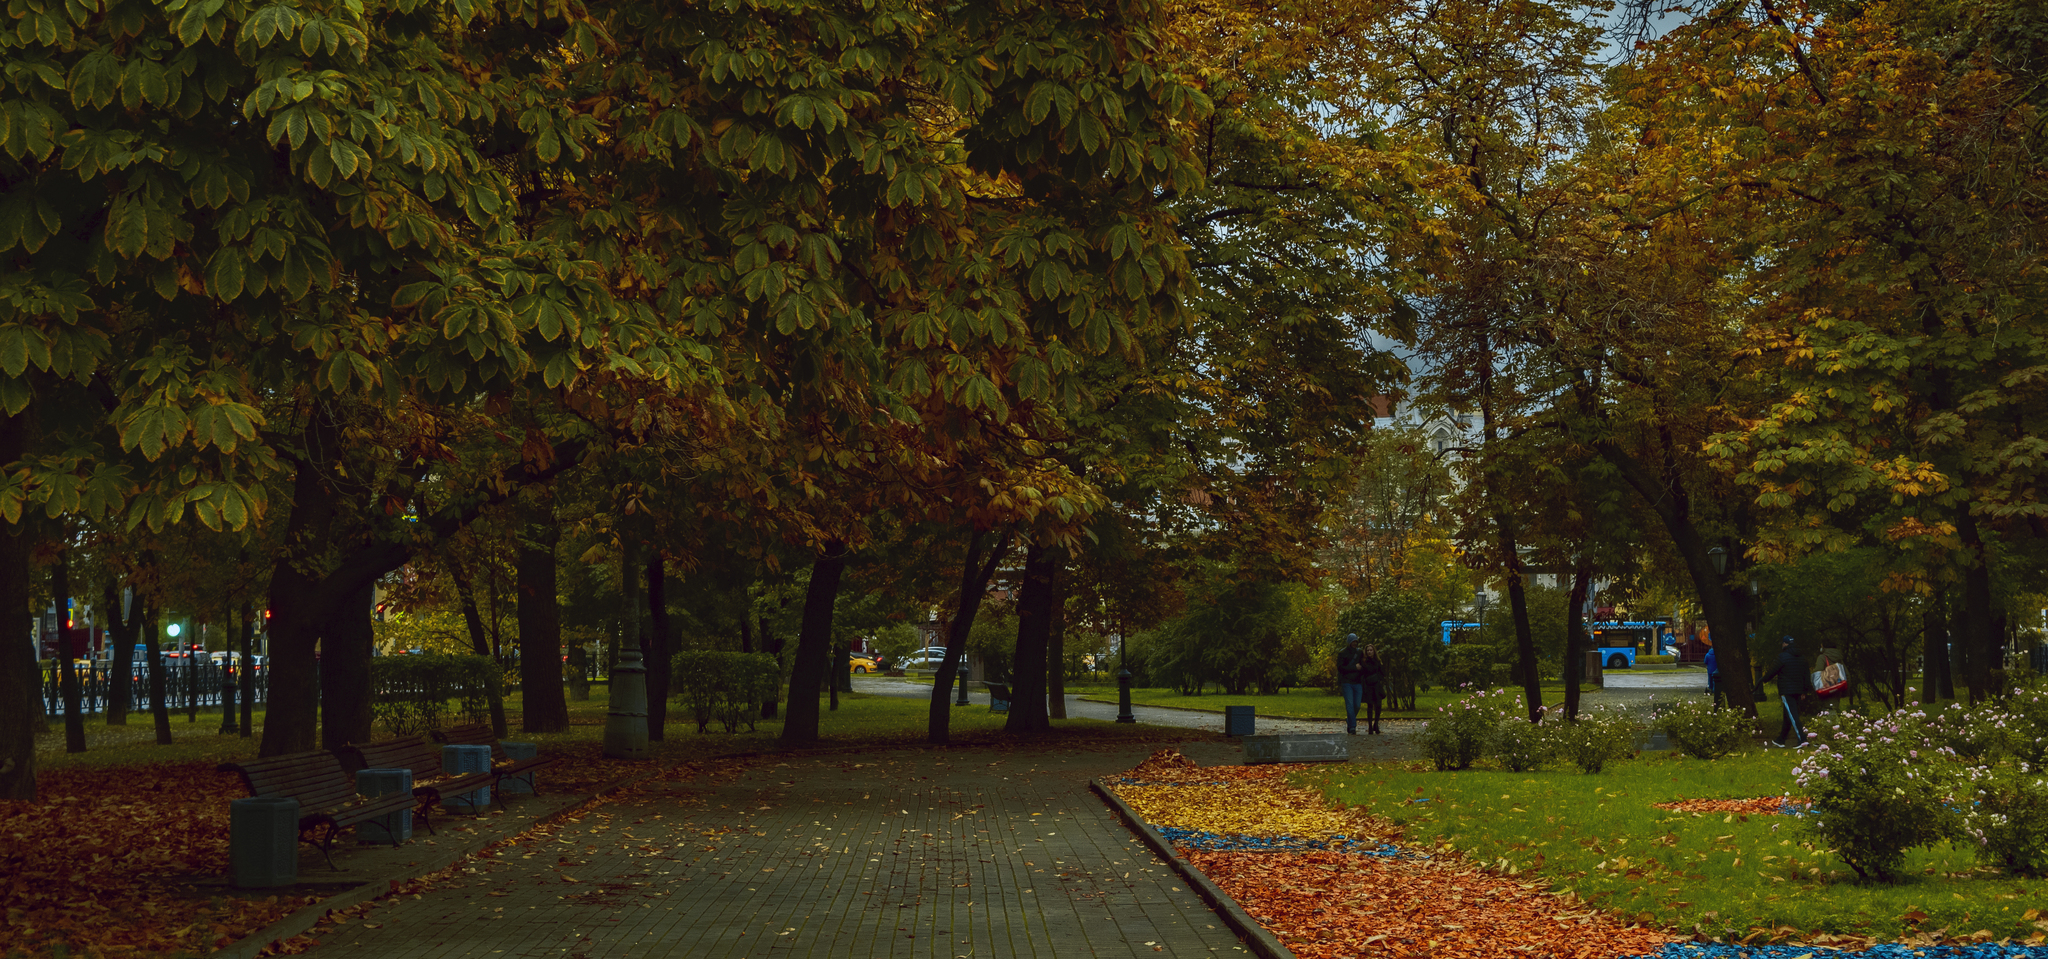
(964, 853)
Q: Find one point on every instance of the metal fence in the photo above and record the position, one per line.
(188, 684)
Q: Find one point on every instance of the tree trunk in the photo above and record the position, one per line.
(1575, 638)
(540, 624)
(480, 643)
(657, 645)
(974, 576)
(835, 657)
(67, 671)
(1034, 629)
(1978, 626)
(1723, 611)
(120, 655)
(19, 676)
(159, 675)
(1056, 651)
(247, 674)
(772, 645)
(746, 634)
(291, 717)
(1518, 607)
(345, 649)
(800, 722)
(1933, 654)
(807, 663)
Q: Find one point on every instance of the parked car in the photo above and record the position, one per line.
(863, 664)
(927, 658)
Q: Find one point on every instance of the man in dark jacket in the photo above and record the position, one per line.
(1351, 680)
(1793, 685)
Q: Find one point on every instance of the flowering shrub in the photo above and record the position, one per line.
(1704, 732)
(1880, 786)
(1521, 745)
(2026, 711)
(1601, 736)
(1463, 730)
(1979, 733)
(2008, 817)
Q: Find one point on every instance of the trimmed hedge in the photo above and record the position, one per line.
(410, 694)
(729, 687)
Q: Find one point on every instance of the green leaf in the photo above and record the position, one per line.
(15, 395)
(152, 429)
(224, 274)
(21, 345)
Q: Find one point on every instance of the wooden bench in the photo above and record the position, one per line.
(423, 758)
(503, 767)
(326, 793)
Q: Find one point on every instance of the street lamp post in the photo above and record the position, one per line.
(961, 683)
(1123, 682)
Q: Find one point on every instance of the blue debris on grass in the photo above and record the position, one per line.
(1987, 950)
(1235, 842)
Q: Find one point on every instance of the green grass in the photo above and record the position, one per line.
(1292, 704)
(862, 721)
(1600, 837)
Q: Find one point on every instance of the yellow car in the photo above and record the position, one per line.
(864, 664)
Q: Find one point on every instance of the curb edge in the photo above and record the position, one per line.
(1261, 942)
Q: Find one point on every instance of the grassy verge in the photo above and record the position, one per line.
(862, 721)
(1292, 704)
(1718, 874)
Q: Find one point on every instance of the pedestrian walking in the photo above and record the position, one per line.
(1793, 685)
(1713, 679)
(1374, 683)
(1351, 680)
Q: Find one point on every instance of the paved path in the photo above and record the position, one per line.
(1398, 742)
(985, 854)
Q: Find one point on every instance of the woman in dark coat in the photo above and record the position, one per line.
(1373, 676)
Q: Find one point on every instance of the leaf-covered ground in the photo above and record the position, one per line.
(96, 864)
(1333, 882)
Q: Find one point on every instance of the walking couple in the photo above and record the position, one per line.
(1361, 676)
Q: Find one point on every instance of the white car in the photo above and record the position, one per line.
(927, 658)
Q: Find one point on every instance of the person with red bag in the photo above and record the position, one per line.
(1793, 684)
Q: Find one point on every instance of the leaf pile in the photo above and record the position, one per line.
(1267, 808)
(1761, 806)
(97, 862)
(1326, 905)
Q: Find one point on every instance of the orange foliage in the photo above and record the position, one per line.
(102, 861)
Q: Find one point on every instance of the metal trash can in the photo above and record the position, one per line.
(521, 784)
(263, 841)
(1240, 720)
(457, 760)
(391, 828)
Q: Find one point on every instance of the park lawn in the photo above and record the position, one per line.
(1717, 874)
(862, 721)
(1290, 704)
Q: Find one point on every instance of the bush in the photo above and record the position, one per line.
(1521, 745)
(2008, 817)
(1880, 786)
(1964, 732)
(410, 694)
(1467, 665)
(729, 687)
(1462, 730)
(1702, 731)
(1600, 736)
